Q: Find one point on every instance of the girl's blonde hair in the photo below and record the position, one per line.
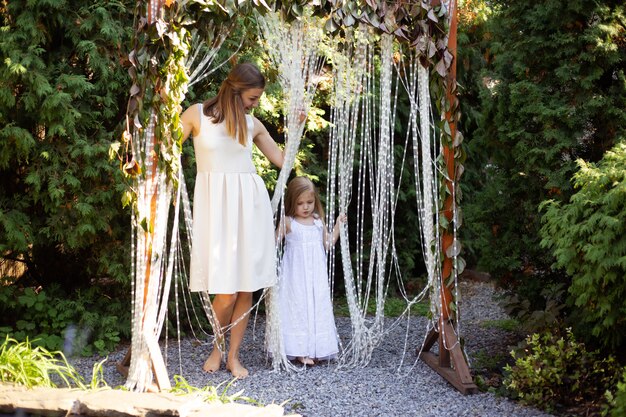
(297, 187)
(228, 106)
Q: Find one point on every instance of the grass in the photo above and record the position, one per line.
(488, 360)
(510, 325)
(210, 394)
(394, 307)
(23, 364)
(487, 368)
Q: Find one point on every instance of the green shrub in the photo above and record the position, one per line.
(553, 91)
(617, 401)
(62, 99)
(553, 371)
(544, 312)
(86, 323)
(588, 239)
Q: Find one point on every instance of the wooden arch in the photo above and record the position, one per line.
(159, 52)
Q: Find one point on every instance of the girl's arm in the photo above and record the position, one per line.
(190, 121)
(284, 227)
(266, 144)
(336, 229)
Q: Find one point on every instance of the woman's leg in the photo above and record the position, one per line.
(223, 305)
(241, 314)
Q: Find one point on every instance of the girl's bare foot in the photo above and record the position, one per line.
(305, 360)
(236, 368)
(213, 362)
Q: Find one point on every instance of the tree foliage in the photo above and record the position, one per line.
(473, 45)
(588, 238)
(553, 92)
(618, 399)
(62, 89)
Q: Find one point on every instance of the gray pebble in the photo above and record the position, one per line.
(391, 385)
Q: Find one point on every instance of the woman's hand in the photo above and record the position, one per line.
(302, 115)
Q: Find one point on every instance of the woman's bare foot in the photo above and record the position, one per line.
(213, 362)
(236, 368)
(305, 360)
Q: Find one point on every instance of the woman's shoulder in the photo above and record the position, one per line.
(191, 119)
(256, 125)
(193, 109)
(251, 121)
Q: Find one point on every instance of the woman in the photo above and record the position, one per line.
(233, 250)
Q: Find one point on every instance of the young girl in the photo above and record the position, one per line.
(233, 251)
(306, 313)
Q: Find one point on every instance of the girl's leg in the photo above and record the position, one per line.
(223, 305)
(241, 313)
(305, 360)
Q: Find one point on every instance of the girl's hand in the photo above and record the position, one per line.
(341, 219)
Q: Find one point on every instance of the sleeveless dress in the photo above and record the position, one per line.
(233, 242)
(306, 313)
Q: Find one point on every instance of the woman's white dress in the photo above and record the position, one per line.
(307, 322)
(233, 243)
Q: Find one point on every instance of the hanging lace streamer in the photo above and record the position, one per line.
(293, 48)
(354, 111)
(359, 102)
(150, 274)
(200, 61)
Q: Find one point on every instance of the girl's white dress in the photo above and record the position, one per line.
(233, 243)
(307, 323)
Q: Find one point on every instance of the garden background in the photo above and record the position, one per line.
(542, 90)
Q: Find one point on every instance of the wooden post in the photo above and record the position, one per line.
(451, 363)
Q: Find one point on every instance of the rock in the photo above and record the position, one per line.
(118, 403)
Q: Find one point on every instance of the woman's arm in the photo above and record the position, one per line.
(190, 121)
(266, 144)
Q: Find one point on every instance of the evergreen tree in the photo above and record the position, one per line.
(63, 91)
(473, 43)
(555, 92)
(588, 237)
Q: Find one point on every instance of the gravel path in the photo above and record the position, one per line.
(393, 384)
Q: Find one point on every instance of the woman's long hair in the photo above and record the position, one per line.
(297, 187)
(227, 106)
